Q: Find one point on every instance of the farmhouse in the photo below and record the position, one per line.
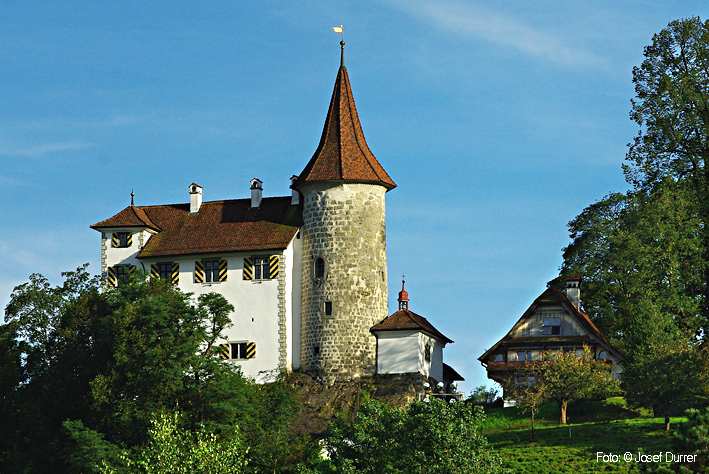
(306, 273)
(554, 322)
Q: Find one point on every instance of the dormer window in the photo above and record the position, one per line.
(551, 327)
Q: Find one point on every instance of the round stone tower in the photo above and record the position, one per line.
(344, 279)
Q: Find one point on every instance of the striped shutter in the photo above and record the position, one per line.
(250, 350)
(248, 269)
(131, 269)
(129, 239)
(273, 267)
(114, 240)
(224, 351)
(112, 279)
(154, 273)
(222, 270)
(198, 272)
(175, 276)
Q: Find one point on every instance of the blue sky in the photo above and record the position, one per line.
(500, 121)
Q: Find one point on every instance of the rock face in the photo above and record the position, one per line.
(344, 279)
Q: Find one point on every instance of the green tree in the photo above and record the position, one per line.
(568, 377)
(172, 449)
(671, 108)
(83, 369)
(528, 390)
(424, 438)
(651, 379)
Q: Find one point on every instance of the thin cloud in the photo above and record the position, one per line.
(474, 21)
(38, 151)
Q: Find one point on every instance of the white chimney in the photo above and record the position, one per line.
(573, 292)
(195, 198)
(256, 192)
(295, 198)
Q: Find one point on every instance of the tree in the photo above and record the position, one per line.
(84, 369)
(528, 390)
(651, 379)
(172, 449)
(568, 377)
(672, 110)
(424, 438)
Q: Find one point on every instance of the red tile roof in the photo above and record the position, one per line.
(131, 216)
(405, 319)
(343, 154)
(219, 226)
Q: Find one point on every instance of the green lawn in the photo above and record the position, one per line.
(607, 427)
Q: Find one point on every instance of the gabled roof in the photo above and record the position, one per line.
(131, 216)
(343, 154)
(449, 373)
(405, 319)
(219, 226)
(553, 295)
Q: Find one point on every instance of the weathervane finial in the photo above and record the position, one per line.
(340, 30)
(132, 195)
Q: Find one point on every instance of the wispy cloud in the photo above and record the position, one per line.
(471, 20)
(40, 150)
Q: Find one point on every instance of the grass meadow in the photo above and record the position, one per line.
(608, 427)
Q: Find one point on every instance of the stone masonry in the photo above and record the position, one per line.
(344, 224)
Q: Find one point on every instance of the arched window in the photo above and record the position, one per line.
(499, 358)
(603, 355)
(319, 268)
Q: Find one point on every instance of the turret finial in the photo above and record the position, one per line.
(342, 53)
(132, 195)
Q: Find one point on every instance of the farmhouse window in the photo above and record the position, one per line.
(551, 327)
(524, 356)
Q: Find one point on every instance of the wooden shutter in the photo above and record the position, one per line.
(129, 239)
(198, 272)
(112, 279)
(154, 273)
(224, 351)
(114, 240)
(273, 266)
(250, 350)
(131, 269)
(222, 270)
(175, 276)
(248, 269)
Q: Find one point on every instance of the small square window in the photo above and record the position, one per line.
(551, 326)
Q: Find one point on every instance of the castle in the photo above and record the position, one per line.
(306, 273)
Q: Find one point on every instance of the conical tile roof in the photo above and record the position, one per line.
(343, 154)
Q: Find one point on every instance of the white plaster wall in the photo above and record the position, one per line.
(293, 298)
(434, 368)
(122, 255)
(255, 316)
(398, 352)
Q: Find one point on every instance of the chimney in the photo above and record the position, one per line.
(256, 192)
(195, 198)
(295, 198)
(573, 292)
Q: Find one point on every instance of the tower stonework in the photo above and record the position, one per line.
(344, 277)
(343, 230)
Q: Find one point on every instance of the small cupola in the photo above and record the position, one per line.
(295, 197)
(403, 296)
(195, 198)
(256, 192)
(573, 292)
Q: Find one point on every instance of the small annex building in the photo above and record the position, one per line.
(408, 344)
(554, 322)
